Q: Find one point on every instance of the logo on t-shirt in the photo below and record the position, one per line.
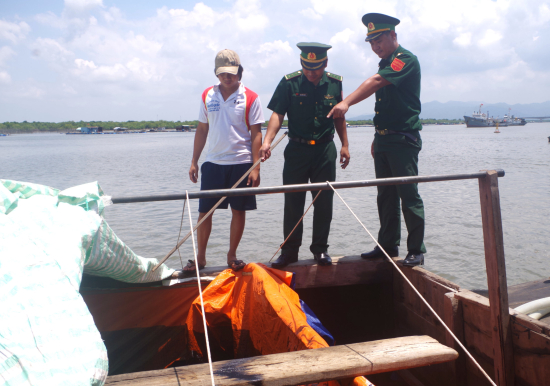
(213, 106)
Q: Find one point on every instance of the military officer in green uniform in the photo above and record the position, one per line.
(307, 96)
(397, 139)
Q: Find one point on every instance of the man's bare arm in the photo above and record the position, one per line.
(365, 90)
(200, 140)
(273, 126)
(256, 138)
(342, 131)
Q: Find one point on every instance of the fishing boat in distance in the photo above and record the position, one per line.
(513, 121)
(479, 119)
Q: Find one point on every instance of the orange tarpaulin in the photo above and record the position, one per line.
(259, 311)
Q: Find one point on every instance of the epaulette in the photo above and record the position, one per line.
(293, 75)
(334, 76)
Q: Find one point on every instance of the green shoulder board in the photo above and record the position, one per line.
(293, 75)
(334, 76)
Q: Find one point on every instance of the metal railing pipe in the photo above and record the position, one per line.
(303, 187)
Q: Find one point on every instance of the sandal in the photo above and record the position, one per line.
(236, 265)
(191, 267)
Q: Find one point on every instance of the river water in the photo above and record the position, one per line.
(158, 163)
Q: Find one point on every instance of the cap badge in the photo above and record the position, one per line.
(311, 56)
(371, 27)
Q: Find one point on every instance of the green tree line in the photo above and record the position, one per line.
(43, 127)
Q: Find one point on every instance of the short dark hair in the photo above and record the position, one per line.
(240, 72)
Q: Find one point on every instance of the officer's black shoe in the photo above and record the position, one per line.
(284, 260)
(377, 252)
(414, 259)
(322, 258)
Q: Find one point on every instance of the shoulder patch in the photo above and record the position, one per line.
(397, 65)
(293, 75)
(334, 76)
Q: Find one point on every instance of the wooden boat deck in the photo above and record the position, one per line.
(526, 292)
(300, 367)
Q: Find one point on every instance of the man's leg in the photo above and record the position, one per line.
(323, 169)
(389, 235)
(405, 163)
(295, 171)
(236, 232)
(203, 234)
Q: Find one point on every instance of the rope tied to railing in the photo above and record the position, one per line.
(414, 289)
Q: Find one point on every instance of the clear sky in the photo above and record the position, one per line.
(142, 60)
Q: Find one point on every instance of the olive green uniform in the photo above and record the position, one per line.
(307, 106)
(395, 155)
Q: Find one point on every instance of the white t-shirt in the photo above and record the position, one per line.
(229, 140)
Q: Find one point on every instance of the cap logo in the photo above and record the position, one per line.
(371, 27)
(311, 56)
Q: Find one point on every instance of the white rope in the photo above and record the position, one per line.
(200, 289)
(296, 226)
(415, 290)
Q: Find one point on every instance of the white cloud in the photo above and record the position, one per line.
(490, 37)
(311, 14)
(82, 5)
(6, 52)
(463, 40)
(52, 51)
(273, 52)
(14, 32)
(166, 59)
(5, 77)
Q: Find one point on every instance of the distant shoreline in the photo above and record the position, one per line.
(136, 126)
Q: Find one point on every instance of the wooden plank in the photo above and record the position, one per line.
(305, 366)
(531, 350)
(345, 270)
(453, 317)
(408, 322)
(474, 376)
(496, 278)
(428, 285)
(476, 312)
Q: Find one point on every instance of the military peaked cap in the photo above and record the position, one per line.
(314, 55)
(377, 24)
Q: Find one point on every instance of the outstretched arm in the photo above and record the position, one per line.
(275, 123)
(340, 125)
(365, 90)
(256, 138)
(200, 140)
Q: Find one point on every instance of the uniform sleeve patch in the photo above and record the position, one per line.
(293, 75)
(397, 65)
(334, 76)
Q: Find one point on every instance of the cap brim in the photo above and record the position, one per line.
(233, 70)
(374, 36)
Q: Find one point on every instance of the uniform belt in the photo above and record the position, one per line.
(326, 138)
(390, 132)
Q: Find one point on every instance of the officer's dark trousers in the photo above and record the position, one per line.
(399, 162)
(303, 164)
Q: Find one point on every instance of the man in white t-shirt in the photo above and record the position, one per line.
(231, 117)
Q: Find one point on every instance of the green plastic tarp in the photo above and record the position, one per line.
(48, 238)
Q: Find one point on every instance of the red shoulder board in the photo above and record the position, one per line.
(397, 65)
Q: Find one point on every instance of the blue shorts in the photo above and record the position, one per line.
(214, 176)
